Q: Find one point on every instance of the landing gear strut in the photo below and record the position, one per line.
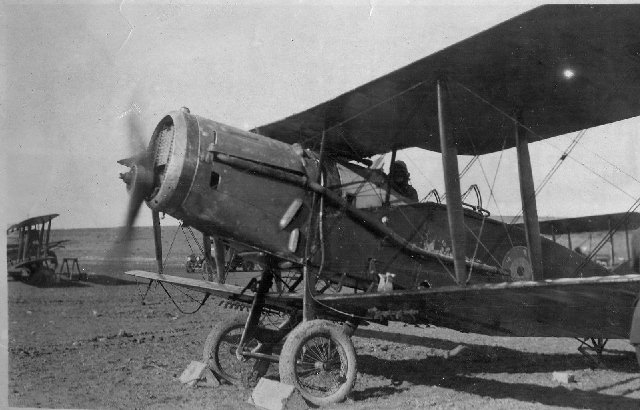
(595, 345)
(317, 358)
(240, 348)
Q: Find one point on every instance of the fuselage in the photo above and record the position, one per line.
(255, 191)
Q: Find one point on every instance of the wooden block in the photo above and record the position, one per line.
(193, 373)
(456, 351)
(273, 395)
(564, 377)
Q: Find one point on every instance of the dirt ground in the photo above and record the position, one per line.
(94, 344)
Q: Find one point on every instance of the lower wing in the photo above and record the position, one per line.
(598, 307)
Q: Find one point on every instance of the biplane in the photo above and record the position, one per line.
(30, 253)
(609, 224)
(307, 201)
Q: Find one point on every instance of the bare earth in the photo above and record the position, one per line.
(95, 345)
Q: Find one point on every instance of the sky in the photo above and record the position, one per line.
(72, 72)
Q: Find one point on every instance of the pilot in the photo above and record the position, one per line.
(400, 180)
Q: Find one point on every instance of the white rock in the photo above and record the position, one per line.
(273, 395)
(564, 377)
(193, 373)
(456, 351)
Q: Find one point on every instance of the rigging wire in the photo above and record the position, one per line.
(200, 247)
(617, 168)
(610, 233)
(175, 234)
(581, 133)
(490, 185)
(184, 312)
(566, 153)
(554, 168)
(595, 173)
(201, 303)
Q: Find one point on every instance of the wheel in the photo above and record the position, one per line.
(53, 262)
(208, 270)
(43, 276)
(220, 353)
(318, 359)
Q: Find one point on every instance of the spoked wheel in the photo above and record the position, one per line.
(208, 270)
(43, 276)
(318, 359)
(220, 353)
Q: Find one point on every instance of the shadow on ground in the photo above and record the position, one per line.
(453, 372)
(481, 357)
(446, 373)
(62, 283)
(109, 280)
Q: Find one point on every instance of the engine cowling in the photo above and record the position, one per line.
(192, 184)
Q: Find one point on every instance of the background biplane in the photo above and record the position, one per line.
(30, 253)
(305, 196)
(607, 225)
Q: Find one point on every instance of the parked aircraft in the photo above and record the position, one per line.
(302, 194)
(30, 253)
(609, 224)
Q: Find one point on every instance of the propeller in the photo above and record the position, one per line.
(139, 183)
(139, 178)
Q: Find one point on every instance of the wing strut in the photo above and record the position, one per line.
(455, 213)
(611, 231)
(528, 197)
(157, 240)
(308, 300)
(206, 244)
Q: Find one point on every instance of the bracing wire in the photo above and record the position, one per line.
(491, 185)
(554, 168)
(609, 234)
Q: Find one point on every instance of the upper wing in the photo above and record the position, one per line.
(520, 64)
(31, 221)
(593, 223)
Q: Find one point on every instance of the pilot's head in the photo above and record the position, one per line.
(399, 172)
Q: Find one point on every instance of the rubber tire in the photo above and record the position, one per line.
(212, 346)
(207, 269)
(292, 346)
(53, 264)
(637, 353)
(43, 276)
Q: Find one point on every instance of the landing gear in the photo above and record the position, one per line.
(318, 358)
(240, 349)
(43, 276)
(220, 353)
(596, 345)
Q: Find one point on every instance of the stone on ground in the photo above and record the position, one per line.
(564, 377)
(273, 395)
(194, 372)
